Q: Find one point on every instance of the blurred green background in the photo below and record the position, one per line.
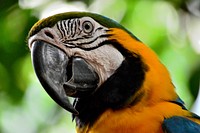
(170, 27)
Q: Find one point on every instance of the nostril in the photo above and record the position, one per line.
(49, 34)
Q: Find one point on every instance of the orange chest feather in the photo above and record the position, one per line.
(129, 120)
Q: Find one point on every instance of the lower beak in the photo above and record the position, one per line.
(62, 76)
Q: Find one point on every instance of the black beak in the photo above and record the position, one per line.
(62, 76)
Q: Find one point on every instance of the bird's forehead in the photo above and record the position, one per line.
(52, 20)
(85, 18)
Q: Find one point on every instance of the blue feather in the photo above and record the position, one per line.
(179, 124)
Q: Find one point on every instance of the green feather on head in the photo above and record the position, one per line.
(52, 20)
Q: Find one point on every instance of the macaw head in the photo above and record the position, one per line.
(80, 55)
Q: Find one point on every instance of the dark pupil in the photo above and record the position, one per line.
(87, 26)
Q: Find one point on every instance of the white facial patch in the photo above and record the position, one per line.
(105, 59)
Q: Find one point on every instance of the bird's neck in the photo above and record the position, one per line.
(115, 93)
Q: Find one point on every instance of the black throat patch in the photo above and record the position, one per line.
(115, 92)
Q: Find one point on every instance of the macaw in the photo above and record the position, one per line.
(117, 82)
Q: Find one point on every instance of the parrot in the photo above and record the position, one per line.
(109, 80)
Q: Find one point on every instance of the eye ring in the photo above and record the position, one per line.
(87, 27)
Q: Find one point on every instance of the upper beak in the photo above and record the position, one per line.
(62, 76)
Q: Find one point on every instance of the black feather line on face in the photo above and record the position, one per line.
(94, 47)
(116, 91)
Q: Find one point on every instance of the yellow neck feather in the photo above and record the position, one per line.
(157, 84)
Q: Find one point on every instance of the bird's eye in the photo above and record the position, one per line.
(87, 27)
